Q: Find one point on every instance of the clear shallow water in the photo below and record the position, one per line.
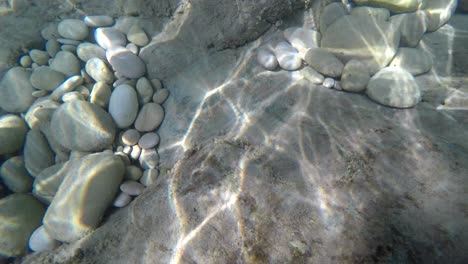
(328, 175)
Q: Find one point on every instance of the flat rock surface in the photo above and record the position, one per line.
(272, 169)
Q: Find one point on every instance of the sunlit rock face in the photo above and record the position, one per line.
(397, 6)
(369, 38)
(88, 189)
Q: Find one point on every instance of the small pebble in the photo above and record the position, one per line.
(125, 62)
(122, 200)
(160, 96)
(149, 158)
(72, 96)
(39, 56)
(130, 137)
(100, 94)
(144, 90)
(69, 48)
(132, 47)
(137, 36)
(127, 150)
(98, 21)
(98, 70)
(149, 118)
(133, 173)
(85, 51)
(136, 151)
(26, 61)
(83, 90)
(328, 82)
(132, 188)
(148, 140)
(41, 241)
(72, 29)
(52, 47)
(67, 86)
(108, 37)
(156, 84)
(149, 177)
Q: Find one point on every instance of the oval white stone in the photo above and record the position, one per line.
(73, 29)
(41, 241)
(160, 96)
(267, 59)
(98, 70)
(109, 37)
(122, 200)
(149, 158)
(98, 21)
(125, 62)
(66, 63)
(100, 94)
(123, 105)
(149, 118)
(86, 51)
(130, 137)
(148, 140)
(287, 56)
(132, 188)
(149, 177)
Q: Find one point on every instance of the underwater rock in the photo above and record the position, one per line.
(394, 87)
(47, 183)
(98, 70)
(312, 75)
(324, 62)
(85, 51)
(328, 82)
(52, 47)
(144, 90)
(16, 90)
(287, 56)
(100, 94)
(122, 200)
(302, 39)
(161, 95)
(123, 105)
(68, 85)
(21, 214)
(46, 78)
(149, 118)
(74, 29)
(439, 12)
(39, 56)
(267, 59)
(132, 188)
(412, 27)
(415, 61)
(130, 137)
(137, 36)
(330, 14)
(125, 62)
(149, 177)
(149, 158)
(87, 191)
(12, 133)
(41, 241)
(366, 38)
(148, 140)
(108, 37)
(133, 173)
(66, 63)
(15, 176)
(98, 21)
(355, 76)
(82, 126)
(37, 152)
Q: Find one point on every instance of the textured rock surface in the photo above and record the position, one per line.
(339, 178)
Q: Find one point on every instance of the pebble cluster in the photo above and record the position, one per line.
(79, 134)
(369, 46)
